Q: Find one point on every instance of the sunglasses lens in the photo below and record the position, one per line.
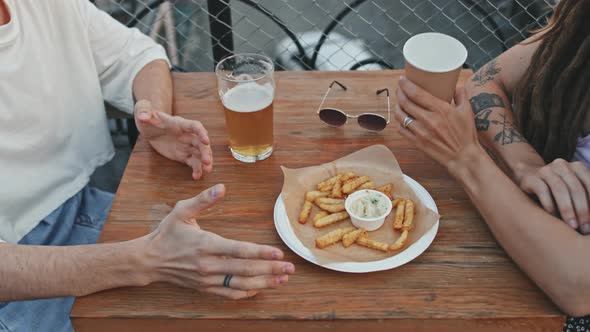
(332, 117)
(372, 122)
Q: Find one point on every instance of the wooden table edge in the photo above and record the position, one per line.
(151, 323)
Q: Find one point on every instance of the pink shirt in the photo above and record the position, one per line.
(583, 151)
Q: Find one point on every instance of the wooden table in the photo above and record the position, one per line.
(464, 281)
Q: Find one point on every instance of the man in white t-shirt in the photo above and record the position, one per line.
(59, 61)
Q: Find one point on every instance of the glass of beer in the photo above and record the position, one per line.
(246, 88)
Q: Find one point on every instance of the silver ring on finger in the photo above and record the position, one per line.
(227, 280)
(407, 121)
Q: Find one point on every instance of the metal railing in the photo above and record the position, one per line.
(326, 34)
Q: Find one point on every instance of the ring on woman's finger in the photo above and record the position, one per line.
(407, 121)
(227, 280)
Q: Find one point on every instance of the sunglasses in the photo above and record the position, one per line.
(369, 121)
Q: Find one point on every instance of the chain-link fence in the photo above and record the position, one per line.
(326, 34)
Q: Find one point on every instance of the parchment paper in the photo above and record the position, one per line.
(376, 161)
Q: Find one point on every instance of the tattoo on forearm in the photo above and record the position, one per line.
(509, 134)
(485, 101)
(482, 120)
(482, 105)
(486, 73)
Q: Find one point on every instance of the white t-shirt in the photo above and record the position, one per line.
(59, 59)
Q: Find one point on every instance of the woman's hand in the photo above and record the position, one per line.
(184, 254)
(445, 132)
(175, 138)
(442, 131)
(561, 186)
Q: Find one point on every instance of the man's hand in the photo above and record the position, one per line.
(561, 186)
(188, 256)
(175, 138)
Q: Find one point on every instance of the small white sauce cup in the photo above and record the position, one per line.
(370, 224)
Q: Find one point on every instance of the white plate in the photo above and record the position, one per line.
(288, 236)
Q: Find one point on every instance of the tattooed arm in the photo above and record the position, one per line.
(544, 248)
(490, 91)
(555, 185)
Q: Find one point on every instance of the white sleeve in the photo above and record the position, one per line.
(119, 54)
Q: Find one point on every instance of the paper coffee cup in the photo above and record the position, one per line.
(433, 62)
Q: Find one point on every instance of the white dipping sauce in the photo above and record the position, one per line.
(369, 206)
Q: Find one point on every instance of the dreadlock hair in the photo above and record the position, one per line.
(551, 100)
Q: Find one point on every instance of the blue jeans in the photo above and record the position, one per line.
(78, 221)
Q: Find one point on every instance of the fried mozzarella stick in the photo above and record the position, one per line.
(313, 195)
(326, 200)
(366, 242)
(350, 238)
(332, 237)
(305, 211)
(367, 185)
(347, 176)
(331, 219)
(353, 184)
(332, 208)
(337, 189)
(319, 215)
(400, 241)
(386, 189)
(399, 215)
(408, 216)
(328, 184)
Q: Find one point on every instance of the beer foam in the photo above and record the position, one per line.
(248, 97)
